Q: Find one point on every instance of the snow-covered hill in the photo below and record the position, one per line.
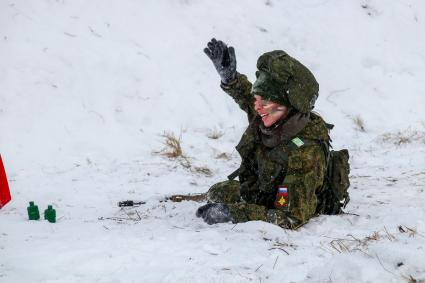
(88, 88)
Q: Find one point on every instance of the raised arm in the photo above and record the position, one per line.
(233, 83)
(240, 91)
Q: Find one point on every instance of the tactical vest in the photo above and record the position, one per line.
(263, 169)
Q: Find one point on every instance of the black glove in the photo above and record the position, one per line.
(223, 58)
(214, 213)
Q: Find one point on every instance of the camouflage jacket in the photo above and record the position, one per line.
(298, 163)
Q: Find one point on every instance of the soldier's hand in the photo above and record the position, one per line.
(223, 58)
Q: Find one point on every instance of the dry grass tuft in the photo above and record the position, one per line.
(172, 147)
(390, 236)
(203, 170)
(173, 150)
(224, 156)
(404, 137)
(411, 279)
(374, 237)
(215, 134)
(397, 138)
(350, 244)
(341, 245)
(359, 123)
(412, 232)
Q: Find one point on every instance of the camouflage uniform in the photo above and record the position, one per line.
(288, 155)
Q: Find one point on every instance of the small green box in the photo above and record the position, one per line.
(33, 212)
(50, 214)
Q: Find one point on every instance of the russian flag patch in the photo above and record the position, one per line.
(281, 197)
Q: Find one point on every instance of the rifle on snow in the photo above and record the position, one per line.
(173, 198)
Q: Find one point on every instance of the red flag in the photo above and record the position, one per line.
(4, 187)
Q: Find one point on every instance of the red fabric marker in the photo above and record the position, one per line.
(4, 186)
(281, 198)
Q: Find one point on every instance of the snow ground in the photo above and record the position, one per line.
(87, 89)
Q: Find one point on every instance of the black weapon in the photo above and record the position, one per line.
(234, 174)
(173, 198)
(130, 203)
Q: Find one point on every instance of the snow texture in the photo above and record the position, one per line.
(89, 87)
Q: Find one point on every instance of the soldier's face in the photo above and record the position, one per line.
(269, 111)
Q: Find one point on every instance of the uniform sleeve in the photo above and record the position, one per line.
(240, 91)
(305, 175)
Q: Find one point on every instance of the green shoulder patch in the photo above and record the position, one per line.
(298, 142)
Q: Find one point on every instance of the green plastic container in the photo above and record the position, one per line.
(33, 212)
(50, 214)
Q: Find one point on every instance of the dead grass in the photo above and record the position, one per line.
(374, 237)
(404, 137)
(410, 279)
(341, 245)
(224, 156)
(281, 246)
(203, 170)
(359, 123)
(351, 244)
(412, 232)
(215, 134)
(172, 145)
(173, 150)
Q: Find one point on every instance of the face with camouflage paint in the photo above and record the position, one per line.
(270, 112)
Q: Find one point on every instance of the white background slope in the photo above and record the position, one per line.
(87, 88)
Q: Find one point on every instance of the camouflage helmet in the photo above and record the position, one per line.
(284, 80)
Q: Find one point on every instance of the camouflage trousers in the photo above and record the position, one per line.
(243, 210)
